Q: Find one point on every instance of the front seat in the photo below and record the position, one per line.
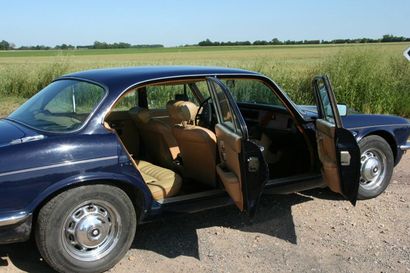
(196, 144)
(157, 139)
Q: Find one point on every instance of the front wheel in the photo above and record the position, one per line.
(86, 229)
(377, 165)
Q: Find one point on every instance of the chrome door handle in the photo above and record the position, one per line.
(345, 158)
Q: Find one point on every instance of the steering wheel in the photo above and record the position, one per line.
(204, 114)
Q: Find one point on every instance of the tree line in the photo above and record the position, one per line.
(275, 41)
(4, 45)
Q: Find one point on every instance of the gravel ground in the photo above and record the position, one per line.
(314, 231)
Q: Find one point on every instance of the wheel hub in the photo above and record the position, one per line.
(372, 169)
(91, 231)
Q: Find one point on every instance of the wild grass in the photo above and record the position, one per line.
(363, 78)
(8, 104)
(371, 79)
(24, 81)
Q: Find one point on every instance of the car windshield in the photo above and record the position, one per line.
(62, 106)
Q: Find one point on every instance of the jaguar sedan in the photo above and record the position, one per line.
(97, 152)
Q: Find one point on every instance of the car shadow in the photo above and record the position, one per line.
(176, 236)
(323, 193)
(24, 256)
(173, 237)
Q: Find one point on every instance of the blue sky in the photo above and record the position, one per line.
(177, 22)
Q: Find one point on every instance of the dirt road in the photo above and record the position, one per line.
(310, 232)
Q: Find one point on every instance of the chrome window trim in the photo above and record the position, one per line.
(245, 74)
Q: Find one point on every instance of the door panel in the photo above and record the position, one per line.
(229, 170)
(325, 136)
(243, 170)
(337, 148)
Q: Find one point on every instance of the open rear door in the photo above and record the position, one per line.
(242, 170)
(337, 148)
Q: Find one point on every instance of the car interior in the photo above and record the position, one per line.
(172, 132)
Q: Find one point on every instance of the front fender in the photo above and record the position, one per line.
(395, 130)
(394, 135)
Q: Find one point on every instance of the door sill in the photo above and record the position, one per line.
(192, 196)
(293, 184)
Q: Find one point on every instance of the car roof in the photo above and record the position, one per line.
(119, 79)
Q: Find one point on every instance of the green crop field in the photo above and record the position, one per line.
(373, 78)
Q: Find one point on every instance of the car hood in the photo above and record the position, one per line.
(364, 120)
(357, 120)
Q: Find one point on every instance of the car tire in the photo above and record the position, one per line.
(86, 229)
(377, 163)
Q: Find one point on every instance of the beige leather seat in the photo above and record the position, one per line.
(161, 182)
(157, 139)
(197, 144)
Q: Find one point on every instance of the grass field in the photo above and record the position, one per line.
(372, 78)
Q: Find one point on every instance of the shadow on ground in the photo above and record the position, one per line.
(173, 237)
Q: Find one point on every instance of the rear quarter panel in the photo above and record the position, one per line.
(31, 172)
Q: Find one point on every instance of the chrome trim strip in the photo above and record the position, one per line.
(59, 165)
(377, 125)
(15, 219)
(405, 147)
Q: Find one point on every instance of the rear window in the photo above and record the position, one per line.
(62, 106)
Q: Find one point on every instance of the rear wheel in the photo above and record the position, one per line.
(86, 229)
(377, 165)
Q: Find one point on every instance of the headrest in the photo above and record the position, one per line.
(140, 115)
(182, 111)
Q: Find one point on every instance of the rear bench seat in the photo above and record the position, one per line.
(161, 182)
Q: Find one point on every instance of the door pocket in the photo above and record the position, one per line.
(231, 184)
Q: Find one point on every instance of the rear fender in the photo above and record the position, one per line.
(135, 183)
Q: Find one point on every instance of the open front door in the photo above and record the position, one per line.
(242, 170)
(337, 148)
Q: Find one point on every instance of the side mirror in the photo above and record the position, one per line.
(342, 109)
(406, 54)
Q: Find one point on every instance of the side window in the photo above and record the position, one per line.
(226, 115)
(127, 102)
(202, 87)
(325, 102)
(252, 91)
(159, 95)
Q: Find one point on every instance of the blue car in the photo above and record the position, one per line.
(97, 152)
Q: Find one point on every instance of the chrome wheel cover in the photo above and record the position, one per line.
(373, 168)
(91, 230)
